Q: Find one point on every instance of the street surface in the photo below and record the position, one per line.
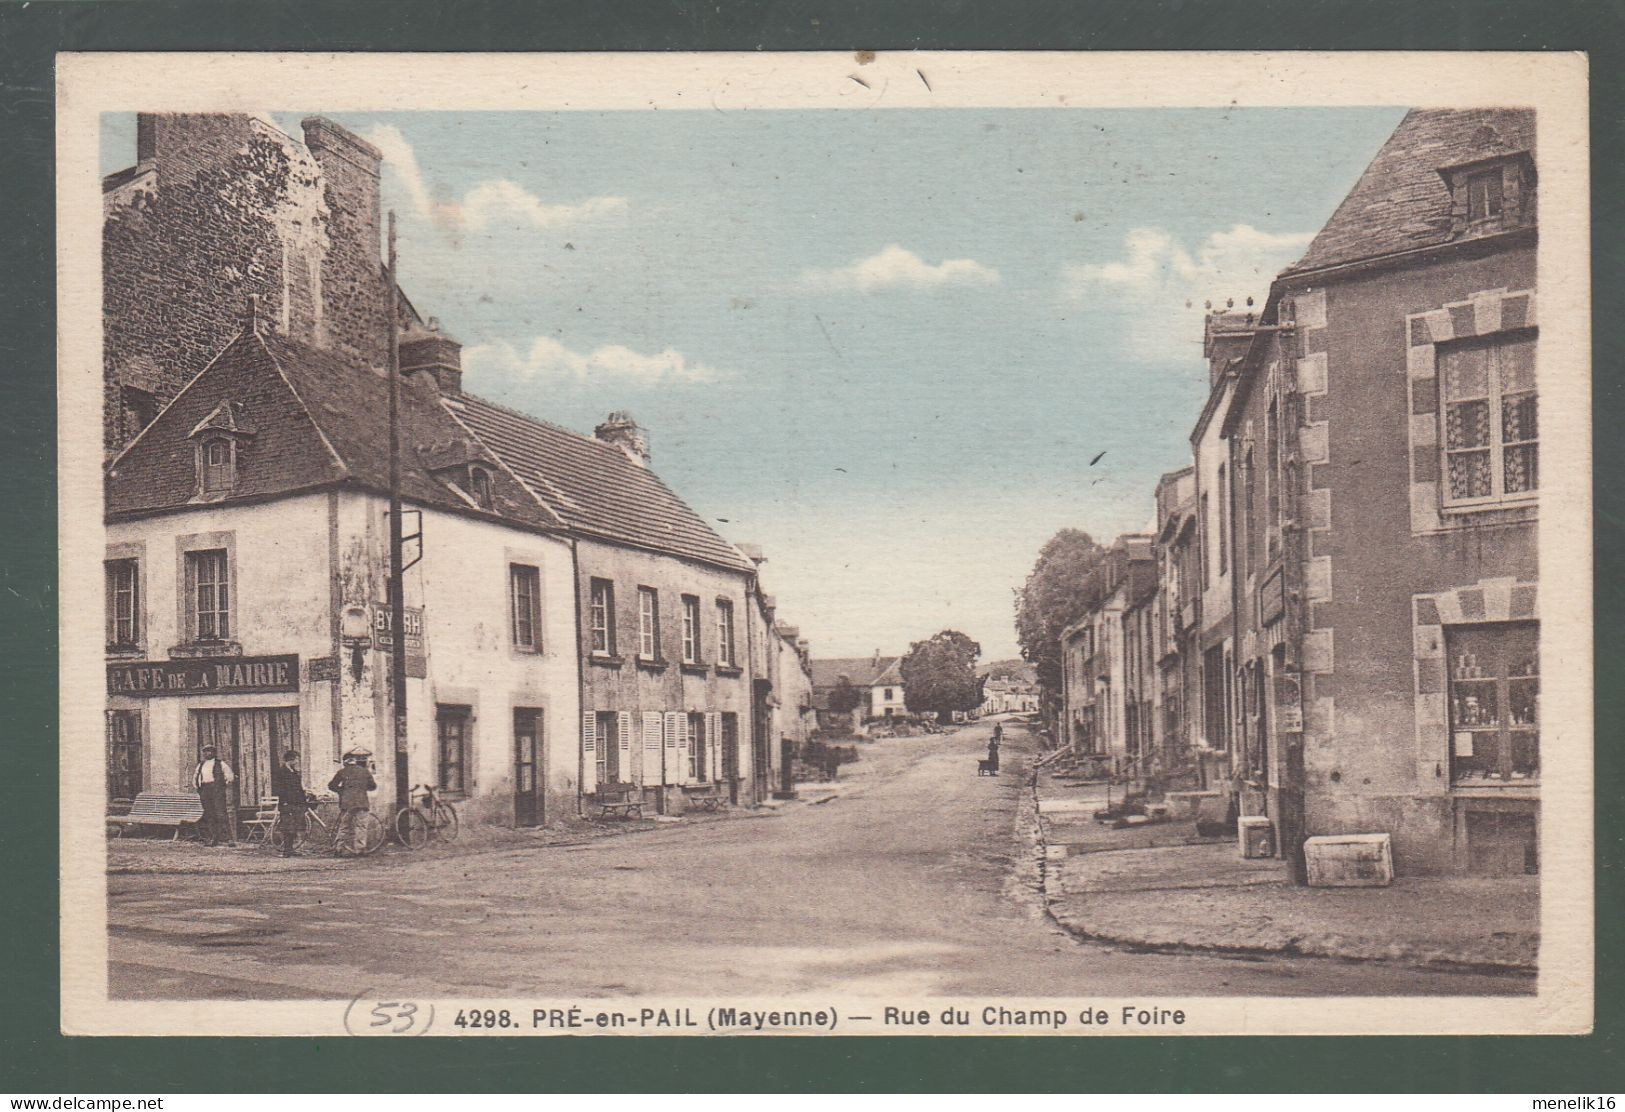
(918, 878)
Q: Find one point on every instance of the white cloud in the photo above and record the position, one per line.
(549, 359)
(898, 266)
(497, 202)
(1157, 274)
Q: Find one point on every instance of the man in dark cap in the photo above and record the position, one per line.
(352, 782)
(288, 782)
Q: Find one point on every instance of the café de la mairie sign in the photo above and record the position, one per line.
(237, 675)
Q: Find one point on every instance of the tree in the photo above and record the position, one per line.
(1062, 588)
(939, 674)
(843, 697)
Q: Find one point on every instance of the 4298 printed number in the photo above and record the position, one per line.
(488, 1018)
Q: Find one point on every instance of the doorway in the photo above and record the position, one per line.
(250, 741)
(528, 798)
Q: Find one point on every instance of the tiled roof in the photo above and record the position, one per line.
(317, 419)
(1401, 202)
(860, 671)
(593, 486)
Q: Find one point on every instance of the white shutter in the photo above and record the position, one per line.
(623, 738)
(713, 745)
(652, 741)
(674, 737)
(589, 751)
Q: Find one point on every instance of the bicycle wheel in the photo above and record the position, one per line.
(411, 828)
(445, 822)
(369, 834)
(298, 822)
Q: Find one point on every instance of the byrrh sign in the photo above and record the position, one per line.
(236, 675)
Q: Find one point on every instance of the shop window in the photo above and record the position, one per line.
(123, 604)
(124, 760)
(451, 732)
(208, 595)
(1494, 704)
(1488, 409)
(602, 617)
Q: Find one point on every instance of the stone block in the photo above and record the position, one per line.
(1349, 861)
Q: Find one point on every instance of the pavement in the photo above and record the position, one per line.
(1161, 886)
(910, 876)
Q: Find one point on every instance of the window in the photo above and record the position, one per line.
(1494, 703)
(139, 409)
(208, 595)
(725, 632)
(609, 748)
(124, 766)
(888, 694)
(1206, 536)
(219, 465)
(1272, 482)
(451, 728)
(730, 746)
(648, 623)
(479, 487)
(698, 768)
(1224, 521)
(123, 604)
(1487, 398)
(525, 589)
(691, 630)
(601, 617)
(1484, 198)
(1249, 521)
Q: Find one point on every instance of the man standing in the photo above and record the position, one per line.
(213, 779)
(352, 782)
(288, 782)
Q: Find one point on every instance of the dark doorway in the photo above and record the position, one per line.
(761, 743)
(730, 754)
(528, 801)
(250, 741)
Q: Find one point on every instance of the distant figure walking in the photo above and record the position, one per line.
(213, 779)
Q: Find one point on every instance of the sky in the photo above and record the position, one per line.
(882, 345)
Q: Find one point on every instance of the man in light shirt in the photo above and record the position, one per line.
(213, 779)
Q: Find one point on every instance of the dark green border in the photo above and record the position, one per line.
(35, 1058)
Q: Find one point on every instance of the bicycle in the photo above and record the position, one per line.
(417, 823)
(312, 831)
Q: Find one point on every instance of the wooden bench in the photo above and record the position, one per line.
(707, 797)
(175, 809)
(623, 799)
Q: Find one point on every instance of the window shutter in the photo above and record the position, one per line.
(713, 748)
(653, 739)
(623, 730)
(191, 597)
(685, 749)
(589, 751)
(674, 751)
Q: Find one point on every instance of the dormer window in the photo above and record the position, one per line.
(219, 438)
(1484, 195)
(219, 465)
(479, 487)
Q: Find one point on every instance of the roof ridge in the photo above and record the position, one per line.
(542, 422)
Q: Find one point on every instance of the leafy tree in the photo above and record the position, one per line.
(843, 697)
(939, 674)
(1062, 588)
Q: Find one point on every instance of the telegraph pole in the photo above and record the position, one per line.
(397, 591)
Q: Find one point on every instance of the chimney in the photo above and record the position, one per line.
(621, 430)
(351, 287)
(436, 355)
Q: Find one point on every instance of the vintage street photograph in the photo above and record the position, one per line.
(860, 544)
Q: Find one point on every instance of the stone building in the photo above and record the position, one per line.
(1406, 460)
(1095, 691)
(571, 621)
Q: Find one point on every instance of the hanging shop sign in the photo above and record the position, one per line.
(234, 675)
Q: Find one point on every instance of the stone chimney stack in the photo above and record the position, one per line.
(621, 430)
(434, 354)
(351, 298)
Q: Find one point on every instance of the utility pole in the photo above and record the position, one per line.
(397, 589)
